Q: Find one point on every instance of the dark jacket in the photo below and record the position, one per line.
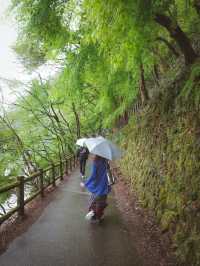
(82, 153)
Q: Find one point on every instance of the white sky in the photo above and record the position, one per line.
(8, 33)
(10, 67)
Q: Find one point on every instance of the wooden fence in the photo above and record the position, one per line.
(42, 179)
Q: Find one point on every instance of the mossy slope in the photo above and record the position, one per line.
(162, 161)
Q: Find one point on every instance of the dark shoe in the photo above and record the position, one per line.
(95, 220)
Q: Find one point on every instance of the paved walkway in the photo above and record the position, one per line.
(62, 237)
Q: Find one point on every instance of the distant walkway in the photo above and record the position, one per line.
(62, 237)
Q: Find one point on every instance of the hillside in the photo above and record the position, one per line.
(162, 161)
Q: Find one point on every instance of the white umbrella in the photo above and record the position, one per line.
(103, 147)
(81, 142)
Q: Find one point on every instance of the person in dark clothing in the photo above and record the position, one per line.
(82, 155)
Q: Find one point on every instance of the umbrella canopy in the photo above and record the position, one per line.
(103, 147)
(81, 142)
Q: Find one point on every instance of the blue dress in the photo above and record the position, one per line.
(97, 183)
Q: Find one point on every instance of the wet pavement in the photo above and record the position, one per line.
(62, 237)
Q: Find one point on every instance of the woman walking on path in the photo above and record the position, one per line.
(82, 155)
(98, 185)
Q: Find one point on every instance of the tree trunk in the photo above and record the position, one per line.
(156, 74)
(126, 117)
(143, 90)
(179, 36)
(78, 130)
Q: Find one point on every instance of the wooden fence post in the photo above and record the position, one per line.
(66, 166)
(20, 196)
(74, 160)
(70, 163)
(41, 182)
(61, 171)
(53, 175)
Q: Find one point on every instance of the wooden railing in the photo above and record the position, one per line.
(41, 180)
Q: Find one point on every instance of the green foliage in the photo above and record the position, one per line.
(190, 93)
(102, 44)
(30, 52)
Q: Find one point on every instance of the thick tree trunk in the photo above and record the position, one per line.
(143, 90)
(179, 36)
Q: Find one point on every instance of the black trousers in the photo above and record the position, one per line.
(82, 166)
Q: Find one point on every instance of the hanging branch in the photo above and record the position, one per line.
(169, 45)
(179, 36)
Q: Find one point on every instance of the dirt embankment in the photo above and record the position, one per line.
(154, 246)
